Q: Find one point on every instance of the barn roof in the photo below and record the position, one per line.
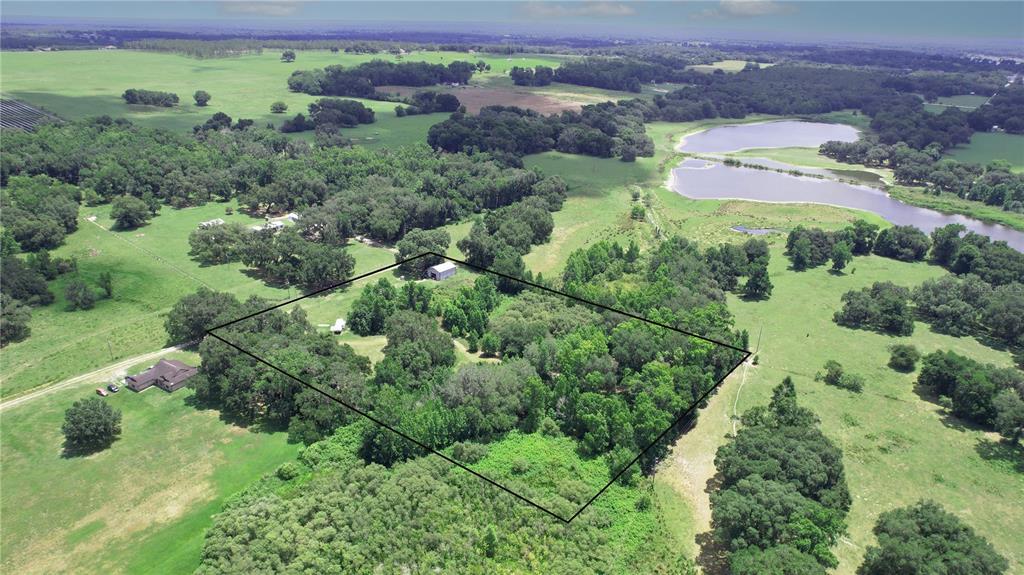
(442, 267)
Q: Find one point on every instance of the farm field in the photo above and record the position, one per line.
(152, 271)
(729, 66)
(140, 506)
(987, 146)
(78, 84)
(898, 446)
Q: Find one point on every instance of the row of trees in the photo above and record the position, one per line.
(783, 497)
(428, 102)
(150, 97)
(362, 81)
(538, 76)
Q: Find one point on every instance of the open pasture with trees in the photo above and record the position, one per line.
(79, 84)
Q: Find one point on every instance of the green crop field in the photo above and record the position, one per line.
(78, 84)
(987, 146)
(140, 506)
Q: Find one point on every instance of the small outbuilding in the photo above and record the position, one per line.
(211, 223)
(441, 271)
(168, 374)
(338, 327)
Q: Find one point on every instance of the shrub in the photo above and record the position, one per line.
(903, 357)
(468, 452)
(278, 107)
(288, 470)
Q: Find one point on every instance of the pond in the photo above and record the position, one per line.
(780, 134)
(700, 179)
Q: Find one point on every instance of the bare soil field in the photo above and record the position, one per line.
(476, 97)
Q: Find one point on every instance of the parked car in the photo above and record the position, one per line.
(113, 388)
(101, 392)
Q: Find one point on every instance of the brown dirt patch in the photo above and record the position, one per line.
(476, 97)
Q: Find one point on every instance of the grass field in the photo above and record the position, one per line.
(140, 506)
(82, 83)
(729, 66)
(987, 146)
(152, 271)
(898, 447)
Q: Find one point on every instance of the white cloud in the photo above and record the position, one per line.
(270, 8)
(746, 9)
(590, 8)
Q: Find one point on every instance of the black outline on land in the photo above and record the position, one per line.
(684, 415)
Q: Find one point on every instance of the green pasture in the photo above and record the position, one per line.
(142, 505)
(898, 445)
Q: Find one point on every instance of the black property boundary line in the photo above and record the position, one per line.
(684, 415)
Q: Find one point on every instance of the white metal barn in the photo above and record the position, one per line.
(339, 326)
(441, 271)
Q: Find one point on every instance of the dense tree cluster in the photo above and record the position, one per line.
(972, 253)
(1005, 110)
(783, 492)
(38, 212)
(538, 76)
(150, 97)
(361, 81)
(503, 236)
(624, 74)
(604, 130)
(421, 516)
(925, 538)
(428, 102)
(883, 307)
(968, 305)
(984, 394)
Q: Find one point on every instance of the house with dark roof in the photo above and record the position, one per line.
(168, 374)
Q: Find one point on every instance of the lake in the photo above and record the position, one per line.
(780, 134)
(701, 179)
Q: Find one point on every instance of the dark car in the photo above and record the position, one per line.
(113, 387)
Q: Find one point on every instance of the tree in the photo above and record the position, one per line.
(189, 319)
(759, 285)
(374, 306)
(490, 541)
(14, 318)
(288, 56)
(903, 357)
(90, 424)
(417, 242)
(79, 295)
(1009, 414)
(841, 255)
(202, 97)
(106, 283)
(800, 254)
(129, 212)
(923, 539)
(776, 560)
(278, 107)
(489, 344)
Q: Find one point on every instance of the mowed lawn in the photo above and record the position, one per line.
(897, 446)
(142, 505)
(82, 83)
(151, 270)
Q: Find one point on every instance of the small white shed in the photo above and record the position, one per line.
(441, 271)
(339, 326)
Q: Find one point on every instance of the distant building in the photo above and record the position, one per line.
(211, 223)
(441, 271)
(293, 217)
(274, 226)
(338, 327)
(168, 374)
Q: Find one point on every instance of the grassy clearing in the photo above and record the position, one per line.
(987, 146)
(897, 446)
(728, 66)
(139, 507)
(152, 271)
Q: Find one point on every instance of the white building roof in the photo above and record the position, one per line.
(442, 267)
(339, 325)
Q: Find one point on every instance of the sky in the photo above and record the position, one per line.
(900, 22)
